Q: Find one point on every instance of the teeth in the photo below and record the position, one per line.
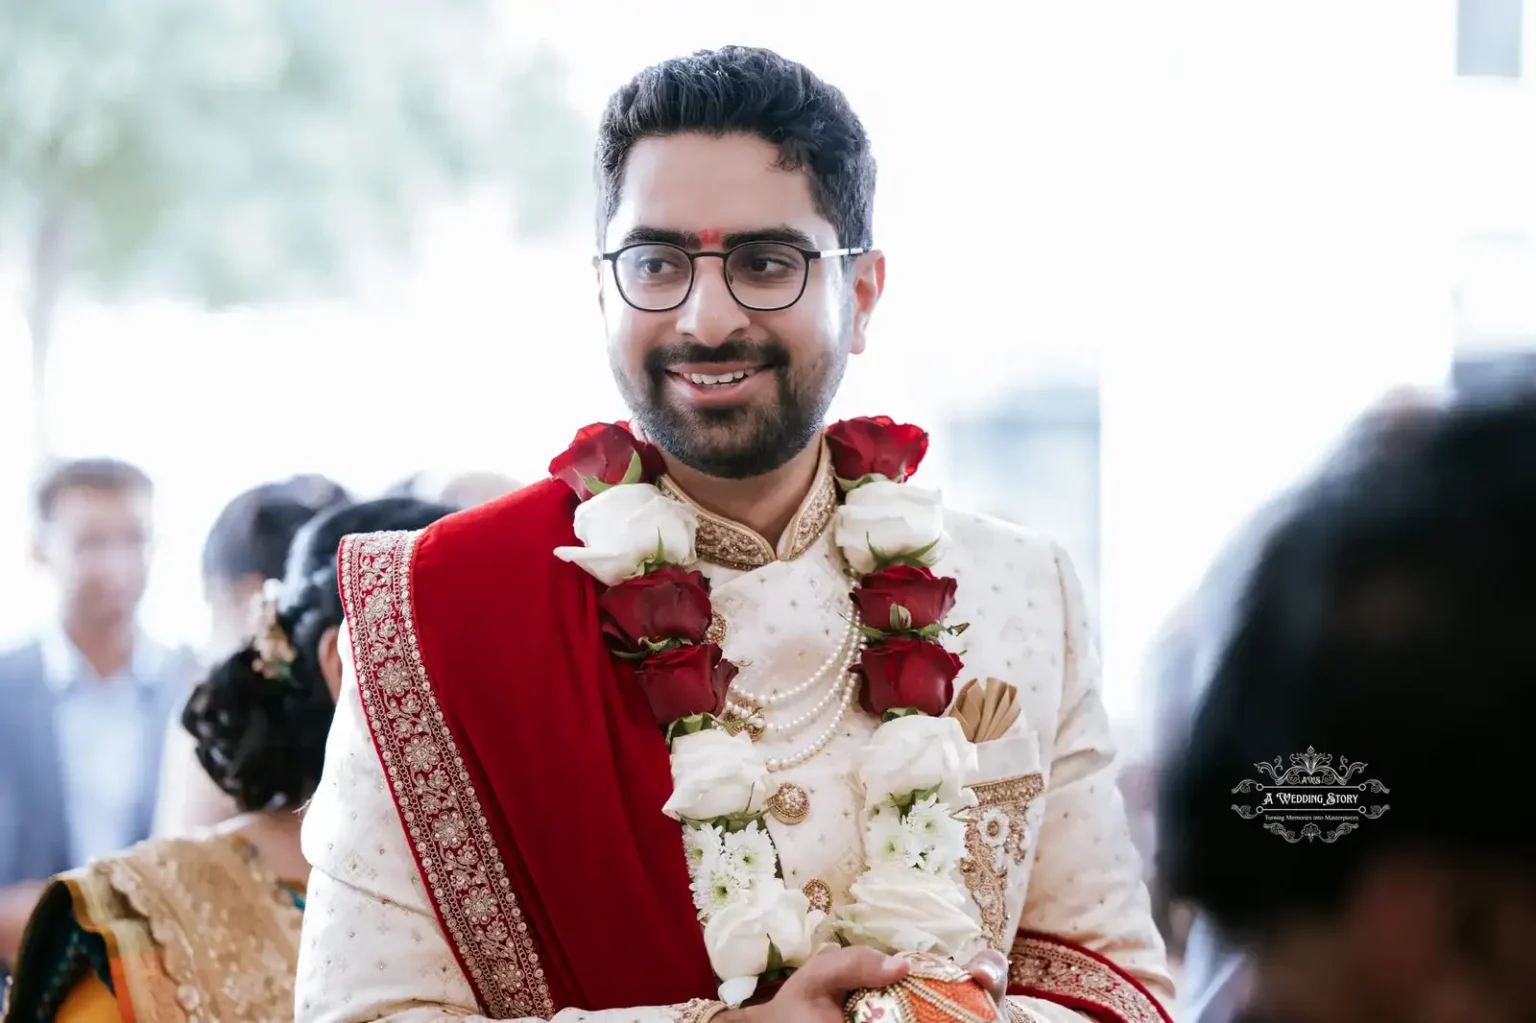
(708, 379)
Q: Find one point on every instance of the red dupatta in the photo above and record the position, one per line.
(529, 779)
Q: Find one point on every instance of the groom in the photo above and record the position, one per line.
(500, 829)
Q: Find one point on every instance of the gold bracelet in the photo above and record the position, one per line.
(700, 1010)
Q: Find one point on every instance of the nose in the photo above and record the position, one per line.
(711, 315)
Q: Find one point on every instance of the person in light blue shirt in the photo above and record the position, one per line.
(85, 703)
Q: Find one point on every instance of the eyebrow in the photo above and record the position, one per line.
(690, 240)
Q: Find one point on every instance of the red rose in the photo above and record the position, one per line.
(875, 446)
(606, 454)
(927, 599)
(905, 672)
(686, 681)
(669, 603)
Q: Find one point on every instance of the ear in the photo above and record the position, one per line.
(597, 279)
(330, 660)
(868, 286)
(39, 546)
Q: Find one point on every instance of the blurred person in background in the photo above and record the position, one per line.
(462, 490)
(247, 546)
(1388, 618)
(207, 928)
(85, 703)
(1215, 984)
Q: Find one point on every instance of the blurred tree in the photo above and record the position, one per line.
(229, 151)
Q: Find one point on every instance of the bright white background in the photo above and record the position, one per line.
(1243, 221)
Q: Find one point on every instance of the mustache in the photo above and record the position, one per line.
(768, 354)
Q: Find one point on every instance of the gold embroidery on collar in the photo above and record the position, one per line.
(732, 545)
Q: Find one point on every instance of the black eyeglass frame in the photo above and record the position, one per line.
(693, 271)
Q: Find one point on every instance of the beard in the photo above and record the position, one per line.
(740, 441)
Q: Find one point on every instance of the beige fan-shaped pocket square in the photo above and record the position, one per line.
(986, 710)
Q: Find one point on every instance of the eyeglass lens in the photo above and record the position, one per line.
(761, 275)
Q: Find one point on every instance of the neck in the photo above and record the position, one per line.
(765, 503)
(275, 834)
(106, 645)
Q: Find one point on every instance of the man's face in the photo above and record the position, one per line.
(96, 545)
(772, 375)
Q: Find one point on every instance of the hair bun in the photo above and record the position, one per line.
(260, 739)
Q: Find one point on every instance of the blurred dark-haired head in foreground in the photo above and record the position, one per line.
(1372, 695)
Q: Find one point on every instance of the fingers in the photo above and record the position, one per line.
(838, 971)
(990, 970)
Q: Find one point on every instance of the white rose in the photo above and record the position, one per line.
(916, 753)
(898, 909)
(892, 518)
(740, 937)
(625, 526)
(716, 774)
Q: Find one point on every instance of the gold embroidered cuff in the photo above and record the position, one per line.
(700, 1010)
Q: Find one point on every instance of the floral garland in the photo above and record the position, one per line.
(910, 897)
(656, 613)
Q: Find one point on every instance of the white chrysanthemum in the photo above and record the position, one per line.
(723, 885)
(938, 836)
(889, 841)
(751, 852)
(703, 846)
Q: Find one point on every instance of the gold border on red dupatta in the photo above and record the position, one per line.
(1058, 971)
(455, 852)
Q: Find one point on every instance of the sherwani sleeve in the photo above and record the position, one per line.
(372, 948)
(1086, 886)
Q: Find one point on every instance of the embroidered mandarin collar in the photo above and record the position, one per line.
(731, 545)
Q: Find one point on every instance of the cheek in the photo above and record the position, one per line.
(631, 334)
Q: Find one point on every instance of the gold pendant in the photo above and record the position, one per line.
(791, 804)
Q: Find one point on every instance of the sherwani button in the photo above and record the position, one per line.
(791, 804)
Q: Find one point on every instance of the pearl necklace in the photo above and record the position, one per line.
(750, 709)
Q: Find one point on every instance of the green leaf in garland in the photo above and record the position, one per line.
(595, 485)
(900, 712)
(919, 558)
(850, 485)
(872, 633)
(690, 725)
(635, 472)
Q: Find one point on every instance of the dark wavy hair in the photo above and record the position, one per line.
(262, 740)
(253, 533)
(1388, 619)
(751, 91)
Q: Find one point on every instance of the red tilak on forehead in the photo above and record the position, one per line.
(710, 236)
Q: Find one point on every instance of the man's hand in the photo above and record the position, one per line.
(815, 993)
(16, 904)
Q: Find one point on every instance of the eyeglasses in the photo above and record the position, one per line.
(657, 277)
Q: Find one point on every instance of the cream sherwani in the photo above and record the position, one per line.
(372, 947)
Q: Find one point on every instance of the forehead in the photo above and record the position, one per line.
(700, 184)
(99, 505)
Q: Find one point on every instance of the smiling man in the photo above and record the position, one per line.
(593, 756)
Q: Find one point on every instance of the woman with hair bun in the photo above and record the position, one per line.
(247, 545)
(207, 928)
